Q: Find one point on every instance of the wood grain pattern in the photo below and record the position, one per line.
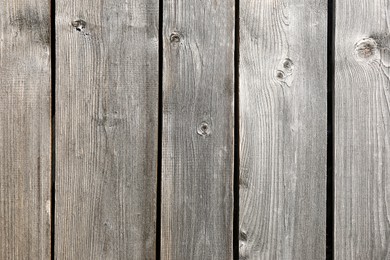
(362, 127)
(197, 142)
(283, 122)
(106, 129)
(25, 129)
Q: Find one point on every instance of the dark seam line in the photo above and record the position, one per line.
(236, 185)
(53, 106)
(330, 142)
(160, 128)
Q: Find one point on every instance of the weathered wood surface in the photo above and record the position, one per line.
(362, 128)
(198, 121)
(106, 129)
(283, 122)
(25, 129)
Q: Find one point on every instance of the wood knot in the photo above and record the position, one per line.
(280, 75)
(287, 64)
(285, 71)
(79, 25)
(204, 129)
(243, 236)
(366, 48)
(175, 37)
(243, 245)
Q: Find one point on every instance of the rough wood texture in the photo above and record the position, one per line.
(283, 122)
(25, 129)
(362, 127)
(106, 129)
(197, 155)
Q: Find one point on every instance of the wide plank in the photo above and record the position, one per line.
(283, 129)
(106, 129)
(25, 129)
(198, 129)
(362, 129)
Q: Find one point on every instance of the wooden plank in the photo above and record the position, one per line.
(283, 122)
(25, 129)
(362, 127)
(197, 141)
(106, 129)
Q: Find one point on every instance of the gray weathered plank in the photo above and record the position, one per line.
(106, 129)
(283, 122)
(197, 142)
(362, 127)
(25, 127)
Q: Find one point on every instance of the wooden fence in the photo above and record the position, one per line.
(194, 129)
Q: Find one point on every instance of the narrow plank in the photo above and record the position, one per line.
(362, 127)
(198, 121)
(106, 129)
(283, 122)
(25, 129)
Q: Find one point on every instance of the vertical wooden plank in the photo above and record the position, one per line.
(197, 138)
(106, 129)
(283, 122)
(25, 129)
(362, 127)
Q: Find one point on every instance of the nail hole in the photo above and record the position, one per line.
(79, 25)
(204, 129)
(175, 37)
